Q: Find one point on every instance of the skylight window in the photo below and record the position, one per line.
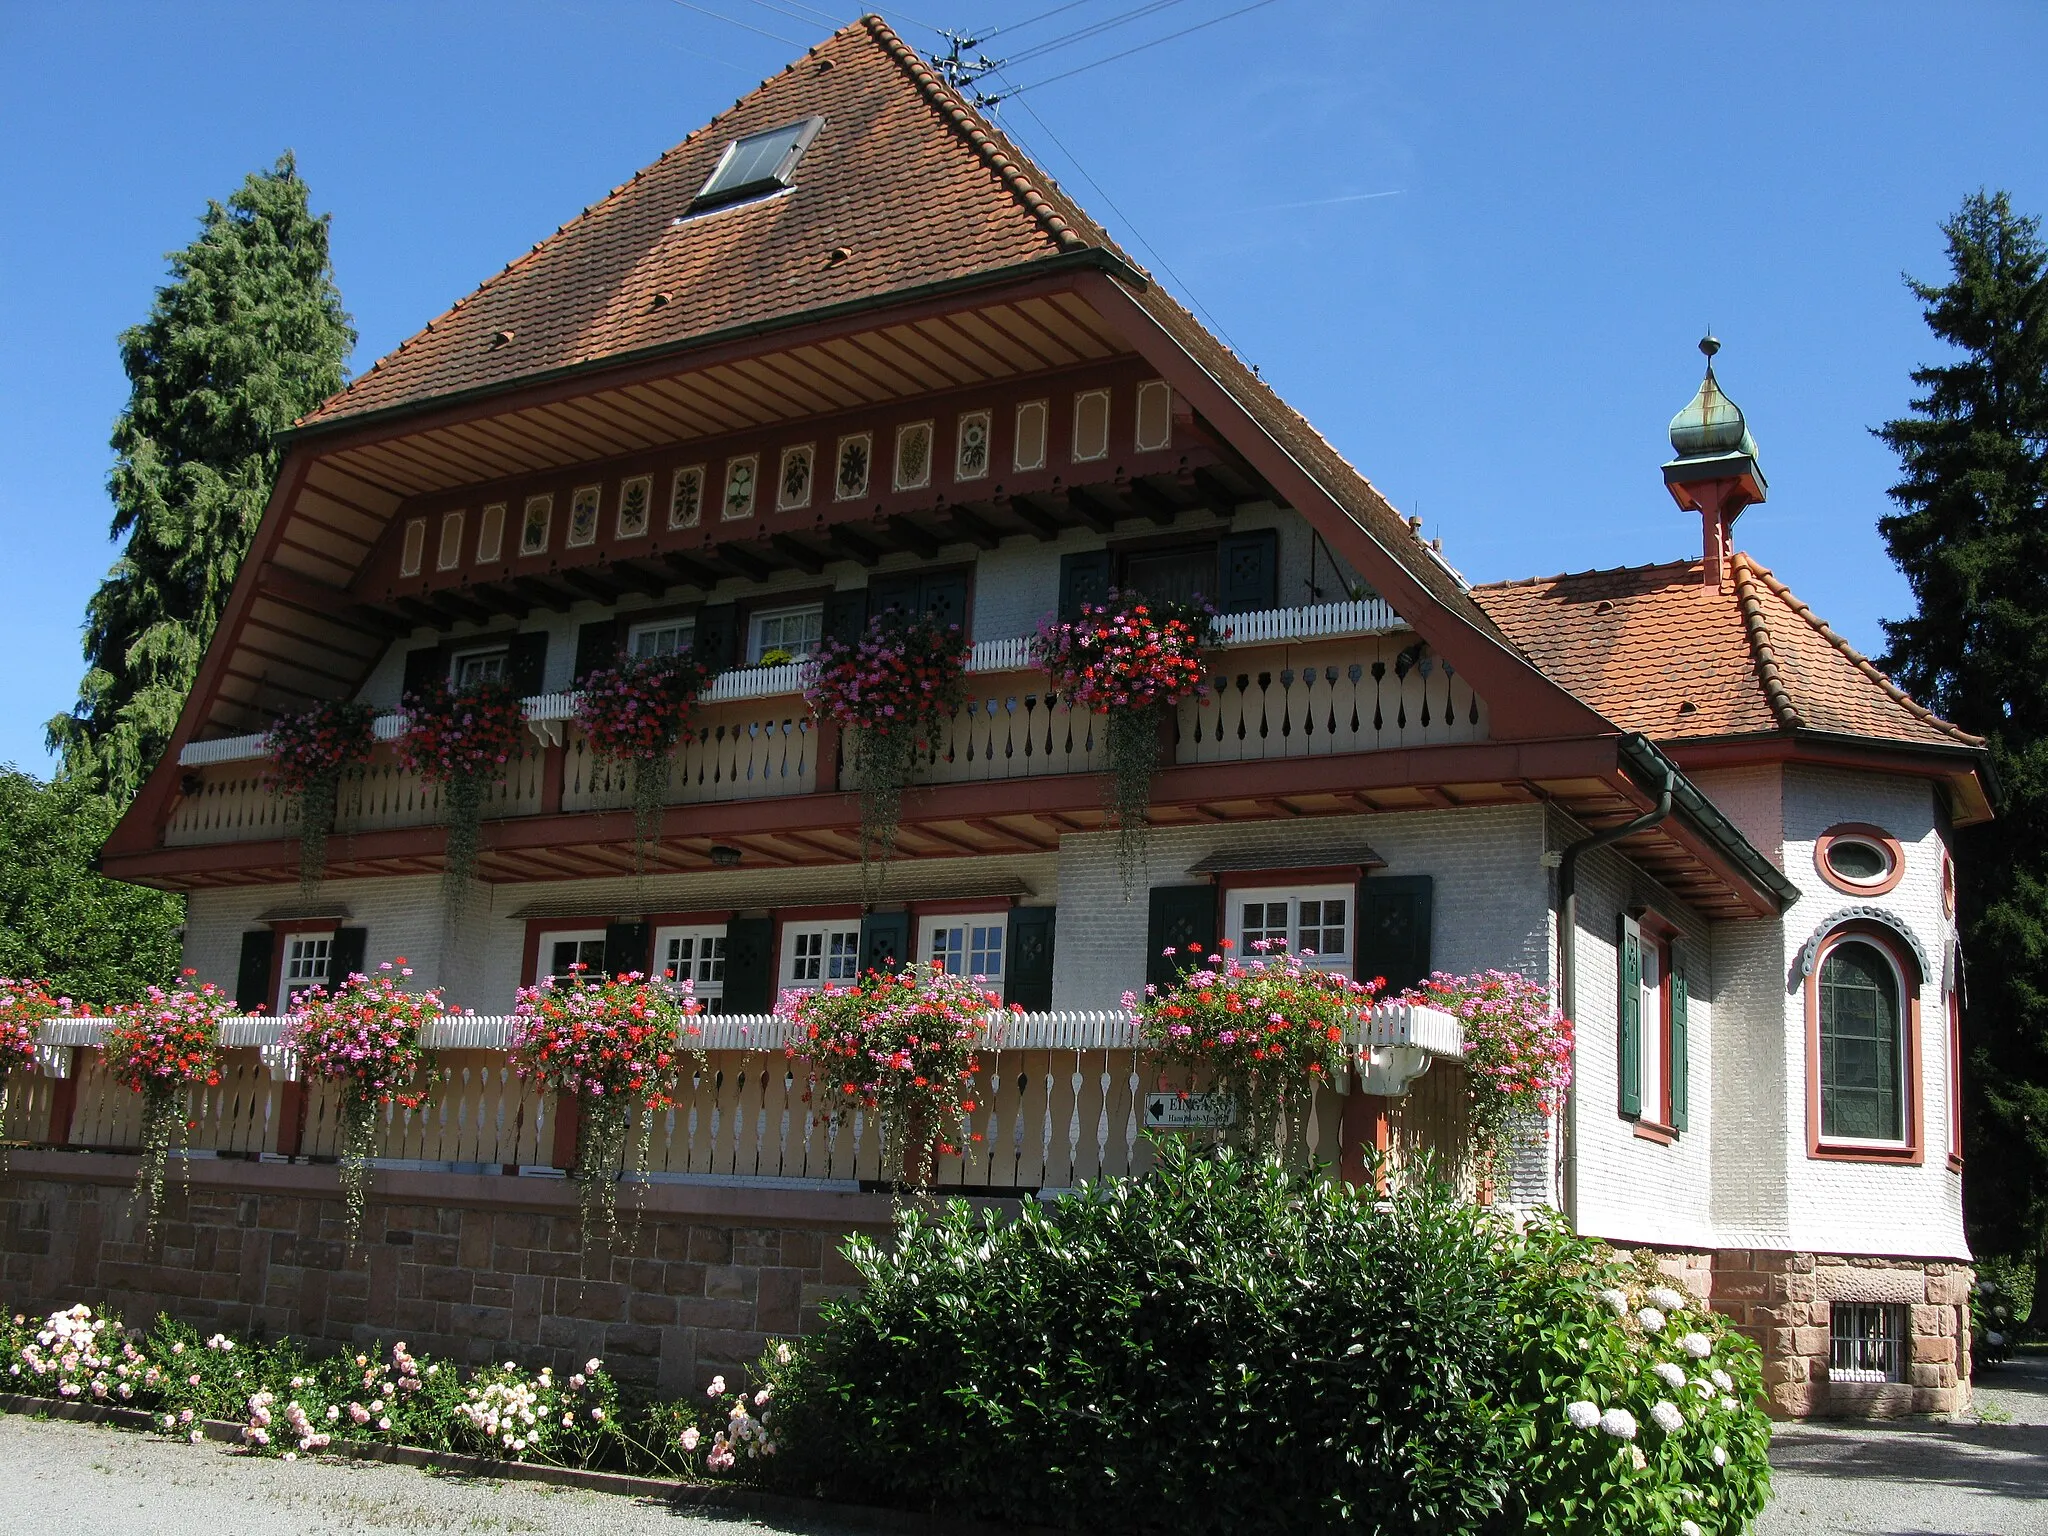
(761, 162)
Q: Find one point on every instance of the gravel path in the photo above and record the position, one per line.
(1986, 1474)
(58, 1477)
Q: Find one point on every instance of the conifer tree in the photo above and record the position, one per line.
(247, 336)
(1971, 536)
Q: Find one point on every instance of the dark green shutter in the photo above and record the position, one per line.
(1180, 915)
(526, 664)
(425, 666)
(1630, 1024)
(717, 637)
(1681, 1066)
(749, 965)
(1027, 958)
(348, 955)
(252, 972)
(1395, 917)
(896, 593)
(885, 942)
(944, 598)
(1084, 578)
(597, 645)
(628, 947)
(846, 615)
(1248, 571)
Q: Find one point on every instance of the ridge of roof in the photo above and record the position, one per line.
(1757, 632)
(1747, 568)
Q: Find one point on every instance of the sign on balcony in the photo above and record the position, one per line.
(1189, 1111)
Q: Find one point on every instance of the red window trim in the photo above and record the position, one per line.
(1952, 1006)
(1860, 831)
(1914, 1152)
(1658, 933)
(1274, 879)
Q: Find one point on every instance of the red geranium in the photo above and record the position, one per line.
(453, 735)
(169, 1039)
(23, 1007)
(1128, 653)
(639, 707)
(319, 746)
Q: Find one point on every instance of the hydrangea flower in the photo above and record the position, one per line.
(1669, 1374)
(1582, 1415)
(1666, 1299)
(1698, 1345)
(1719, 1455)
(1722, 1379)
(1651, 1319)
(1617, 1301)
(1619, 1422)
(1668, 1417)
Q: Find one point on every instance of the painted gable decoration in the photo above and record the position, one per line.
(583, 516)
(914, 456)
(490, 534)
(793, 485)
(449, 556)
(1029, 450)
(856, 455)
(970, 454)
(740, 474)
(1155, 416)
(686, 497)
(533, 527)
(415, 549)
(634, 496)
(1091, 426)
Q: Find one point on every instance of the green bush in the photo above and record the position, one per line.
(1229, 1346)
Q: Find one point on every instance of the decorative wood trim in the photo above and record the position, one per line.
(1228, 880)
(1654, 1131)
(1914, 1151)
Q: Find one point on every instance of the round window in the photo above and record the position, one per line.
(1858, 862)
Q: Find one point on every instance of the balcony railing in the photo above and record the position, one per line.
(1060, 1097)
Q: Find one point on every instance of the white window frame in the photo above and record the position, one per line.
(756, 649)
(705, 989)
(1888, 865)
(930, 928)
(1653, 1079)
(287, 982)
(544, 955)
(791, 976)
(657, 626)
(1294, 895)
(479, 653)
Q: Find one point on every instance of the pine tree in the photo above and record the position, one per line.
(1972, 539)
(247, 336)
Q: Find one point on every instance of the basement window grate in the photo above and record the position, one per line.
(1867, 1342)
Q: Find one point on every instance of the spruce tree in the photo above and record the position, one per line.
(1971, 536)
(247, 336)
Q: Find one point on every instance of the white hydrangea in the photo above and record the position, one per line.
(1617, 1301)
(1687, 1528)
(1720, 1455)
(1664, 1297)
(1651, 1319)
(1698, 1345)
(1669, 1374)
(1722, 1379)
(1582, 1415)
(1619, 1422)
(1668, 1417)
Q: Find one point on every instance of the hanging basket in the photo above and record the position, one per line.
(310, 755)
(160, 1047)
(635, 712)
(463, 740)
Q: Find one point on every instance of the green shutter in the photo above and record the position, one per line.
(425, 665)
(1630, 1023)
(1395, 915)
(1180, 915)
(526, 664)
(348, 955)
(885, 941)
(846, 615)
(1084, 578)
(1248, 571)
(749, 965)
(252, 973)
(717, 639)
(944, 597)
(1681, 1065)
(1027, 958)
(628, 947)
(597, 645)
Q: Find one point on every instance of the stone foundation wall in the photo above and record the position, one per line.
(472, 1268)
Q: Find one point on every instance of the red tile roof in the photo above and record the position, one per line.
(1655, 651)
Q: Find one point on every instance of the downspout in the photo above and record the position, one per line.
(1568, 960)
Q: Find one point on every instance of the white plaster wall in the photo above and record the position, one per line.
(1752, 797)
(1751, 1195)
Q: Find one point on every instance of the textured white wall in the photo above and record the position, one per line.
(1754, 799)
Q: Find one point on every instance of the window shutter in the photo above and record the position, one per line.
(1084, 578)
(1630, 1022)
(1027, 961)
(1248, 571)
(893, 592)
(944, 598)
(424, 667)
(252, 973)
(884, 941)
(749, 965)
(526, 667)
(717, 638)
(628, 947)
(1395, 916)
(846, 615)
(1180, 915)
(597, 645)
(1681, 1066)
(348, 955)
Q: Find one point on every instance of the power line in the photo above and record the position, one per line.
(1012, 26)
(797, 15)
(1082, 34)
(1199, 26)
(690, 5)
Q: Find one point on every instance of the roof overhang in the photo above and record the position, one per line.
(1963, 773)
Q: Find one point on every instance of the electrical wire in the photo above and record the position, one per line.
(690, 5)
(1083, 69)
(1082, 34)
(1013, 26)
(797, 15)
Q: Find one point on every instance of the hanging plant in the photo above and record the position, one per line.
(461, 739)
(365, 1037)
(1133, 661)
(159, 1047)
(1262, 1032)
(311, 754)
(635, 712)
(887, 692)
(1518, 1055)
(23, 1007)
(900, 1046)
(603, 1043)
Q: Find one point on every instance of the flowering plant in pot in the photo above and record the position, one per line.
(461, 739)
(310, 754)
(159, 1047)
(1263, 1032)
(887, 691)
(23, 1007)
(634, 712)
(365, 1037)
(1518, 1054)
(901, 1046)
(603, 1043)
(1132, 661)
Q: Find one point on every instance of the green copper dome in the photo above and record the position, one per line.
(1711, 423)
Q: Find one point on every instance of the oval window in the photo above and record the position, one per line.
(1858, 862)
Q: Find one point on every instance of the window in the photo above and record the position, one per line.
(306, 956)
(695, 955)
(761, 162)
(1655, 1085)
(792, 630)
(971, 945)
(560, 953)
(820, 954)
(1862, 1038)
(1860, 859)
(1313, 921)
(1866, 1341)
(665, 637)
(472, 667)
(1955, 1081)
(1654, 1069)
(1176, 575)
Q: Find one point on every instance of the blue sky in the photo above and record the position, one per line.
(1475, 243)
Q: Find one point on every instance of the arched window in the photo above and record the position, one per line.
(1862, 1044)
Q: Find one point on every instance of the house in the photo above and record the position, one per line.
(845, 348)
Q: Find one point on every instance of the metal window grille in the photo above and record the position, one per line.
(1869, 1342)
